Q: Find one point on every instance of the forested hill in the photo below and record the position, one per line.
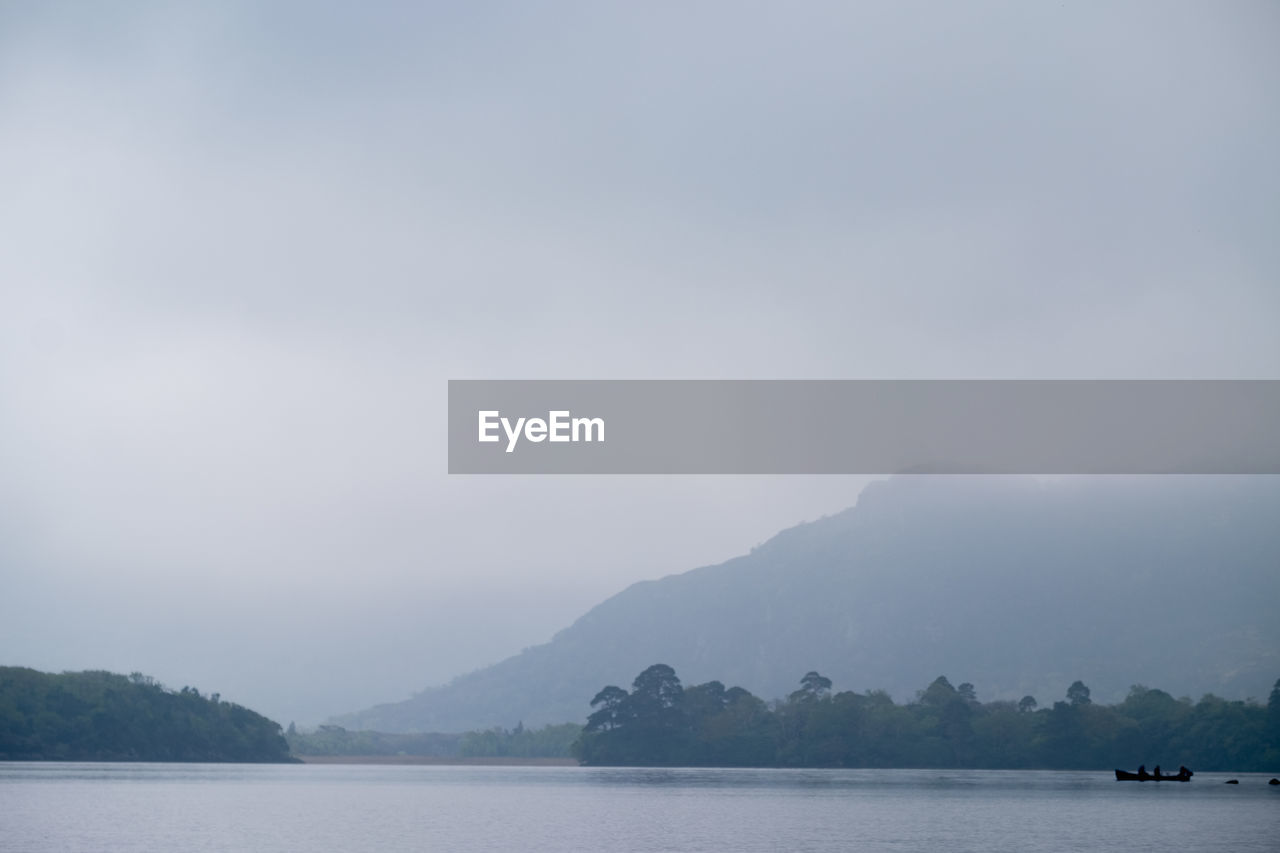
(662, 722)
(1022, 586)
(101, 716)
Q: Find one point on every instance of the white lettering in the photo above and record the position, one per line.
(486, 425)
(588, 424)
(559, 426)
(513, 435)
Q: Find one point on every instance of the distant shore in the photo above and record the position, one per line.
(491, 761)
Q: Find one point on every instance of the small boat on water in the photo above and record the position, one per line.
(1183, 775)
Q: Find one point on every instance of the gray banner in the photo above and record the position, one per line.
(864, 427)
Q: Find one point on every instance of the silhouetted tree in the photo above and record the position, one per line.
(1273, 709)
(704, 702)
(655, 693)
(1078, 694)
(611, 700)
(812, 686)
(947, 727)
(939, 693)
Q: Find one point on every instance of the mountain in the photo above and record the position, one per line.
(1016, 585)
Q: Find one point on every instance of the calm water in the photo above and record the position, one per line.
(200, 807)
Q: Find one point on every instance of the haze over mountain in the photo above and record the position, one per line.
(247, 244)
(1016, 585)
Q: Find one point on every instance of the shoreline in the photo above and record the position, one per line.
(475, 761)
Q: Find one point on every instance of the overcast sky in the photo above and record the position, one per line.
(243, 247)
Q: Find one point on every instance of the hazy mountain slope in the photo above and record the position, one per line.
(1016, 586)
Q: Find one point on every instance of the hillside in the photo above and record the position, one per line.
(663, 722)
(101, 716)
(1017, 586)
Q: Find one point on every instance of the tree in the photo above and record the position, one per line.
(101, 716)
(611, 701)
(1078, 694)
(657, 687)
(968, 692)
(655, 701)
(709, 725)
(812, 687)
(702, 702)
(939, 693)
(1272, 754)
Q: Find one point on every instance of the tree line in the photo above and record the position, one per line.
(335, 740)
(551, 741)
(103, 716)
(661, 722)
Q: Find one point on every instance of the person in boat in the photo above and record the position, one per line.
(1142, 771)
(1183, 772)
(1155, 774)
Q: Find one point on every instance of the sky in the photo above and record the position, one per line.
(244, 246)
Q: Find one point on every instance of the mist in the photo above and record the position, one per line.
(244, 249)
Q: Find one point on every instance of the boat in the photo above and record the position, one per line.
(1183, 775)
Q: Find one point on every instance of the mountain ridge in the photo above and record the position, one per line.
(1016, 585)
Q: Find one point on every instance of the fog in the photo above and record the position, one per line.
(242, 250)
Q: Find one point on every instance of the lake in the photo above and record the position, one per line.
(205, 807)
